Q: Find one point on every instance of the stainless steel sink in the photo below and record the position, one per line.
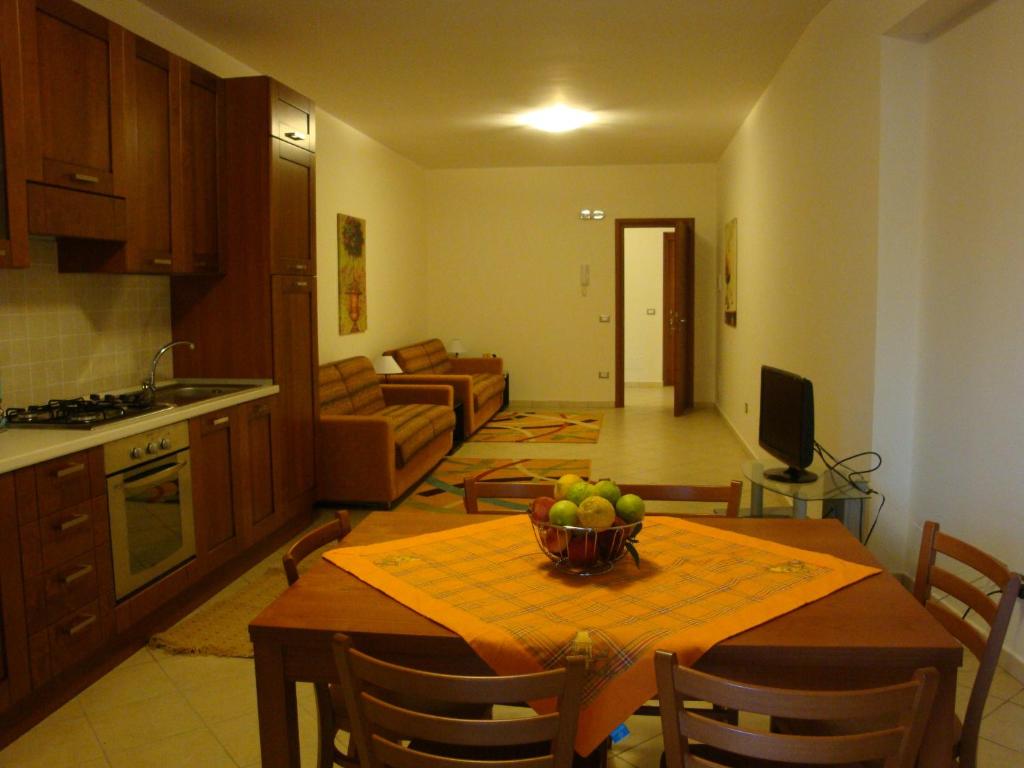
(184, 393)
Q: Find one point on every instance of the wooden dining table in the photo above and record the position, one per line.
(870, 633)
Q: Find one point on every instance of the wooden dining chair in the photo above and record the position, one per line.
(722, 494)
(1005, 587)
(396, 721)
(893, 744)
(330, 705)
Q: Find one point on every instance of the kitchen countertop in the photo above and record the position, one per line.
(24, 446)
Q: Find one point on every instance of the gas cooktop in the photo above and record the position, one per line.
(83, 412)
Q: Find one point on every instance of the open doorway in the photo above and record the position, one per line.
(676, 274)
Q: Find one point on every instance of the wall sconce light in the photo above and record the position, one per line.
(597, 214)
(585, 213)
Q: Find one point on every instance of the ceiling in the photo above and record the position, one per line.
(440, 81)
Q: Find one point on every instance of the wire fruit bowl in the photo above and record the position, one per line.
(584, 551)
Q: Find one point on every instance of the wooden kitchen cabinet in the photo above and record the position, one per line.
(260, 515)
(64, 536)
(14, 669)
(203, 142)
(214, 447)
(253, 322)
(74, 88)
(13, 215)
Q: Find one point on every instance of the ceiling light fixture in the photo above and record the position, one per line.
(557, 119)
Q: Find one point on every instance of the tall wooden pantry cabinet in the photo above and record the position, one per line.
(259, 319)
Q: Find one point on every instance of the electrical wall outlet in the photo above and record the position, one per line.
(602, 374)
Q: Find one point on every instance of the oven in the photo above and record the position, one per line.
(149, 496)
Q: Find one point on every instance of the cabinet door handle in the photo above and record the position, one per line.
(221, 420)
(296, 135)
(301, 284)
(87, 621)
(160, 262)
(85, 178)
(72, 522)
(76, 574)
(299, 267)
(70, 469)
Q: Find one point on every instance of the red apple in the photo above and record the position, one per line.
(554, 541)
(539, 508)
(582, 551)
(612, 541)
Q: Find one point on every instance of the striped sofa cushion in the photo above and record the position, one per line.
(486, 386)
(350, 387)
(425, 357)
(415, 425)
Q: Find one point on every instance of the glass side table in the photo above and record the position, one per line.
(838, 498)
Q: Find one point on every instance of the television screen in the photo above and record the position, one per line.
(786, 428)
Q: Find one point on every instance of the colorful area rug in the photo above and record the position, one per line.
(442, 491)
(540, 427)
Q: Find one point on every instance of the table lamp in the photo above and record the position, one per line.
(385, 365)
(456, 348)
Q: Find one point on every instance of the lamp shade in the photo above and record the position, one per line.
(457, 348)
(385, 364)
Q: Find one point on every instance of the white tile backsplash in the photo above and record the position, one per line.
(64, 335)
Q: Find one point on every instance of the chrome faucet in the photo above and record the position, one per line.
(149, 384)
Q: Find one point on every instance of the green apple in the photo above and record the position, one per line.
(630, 508)
(563, 512)
(608, 490)
(579, 491)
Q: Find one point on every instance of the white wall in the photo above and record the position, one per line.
(969, 424)
(643, 255)
(504, 250)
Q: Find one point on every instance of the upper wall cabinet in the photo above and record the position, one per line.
(13, 222)
(203, 121)
(73, 73)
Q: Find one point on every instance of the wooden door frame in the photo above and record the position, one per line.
(681, 227)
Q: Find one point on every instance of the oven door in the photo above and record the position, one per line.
(152, 528)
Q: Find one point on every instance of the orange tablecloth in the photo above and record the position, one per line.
(695, 586)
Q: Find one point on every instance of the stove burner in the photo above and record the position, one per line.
(80, 412)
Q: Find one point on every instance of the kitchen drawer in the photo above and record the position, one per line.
(76, 636)
(52, 595)
(66, 534)
(62, 483)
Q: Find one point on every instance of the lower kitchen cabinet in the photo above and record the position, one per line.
(231, 480)
(64, 536)
(14, 670)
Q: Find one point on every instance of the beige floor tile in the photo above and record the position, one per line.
(126, 685)
(644, 755)
(191, 671)
(963, 695)
(135, 725)
(641, 728)
(185, 750)
(1018, 699)
(141, 656)
(223, 699)
(1005, 726)
(992, 755)
(61, 744)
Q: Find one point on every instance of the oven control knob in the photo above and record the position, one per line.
(135, 453)
(165, 443)
(152, 448)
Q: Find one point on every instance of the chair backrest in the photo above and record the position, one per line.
(336, 530)
(726, 494)
(349, 386)
(884, 725)
(428, 356)
(394, 709)
(995, 613)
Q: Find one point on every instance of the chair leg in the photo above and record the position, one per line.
(326, 729)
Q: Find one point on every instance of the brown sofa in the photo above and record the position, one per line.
(376, 441)
(479, 382)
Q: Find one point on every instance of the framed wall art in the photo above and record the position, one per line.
(351, 274)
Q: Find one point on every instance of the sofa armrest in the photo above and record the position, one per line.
(461, 384)
(345, 436)
(435, 394)
(477, 364)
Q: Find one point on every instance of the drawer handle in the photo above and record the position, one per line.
(85, 178)
(160, 262)
(301, 284)
(296, 135)
(70, 469)
(76, 574)
(72, 522)
(299, 267)
(222, 420)
(87, 621)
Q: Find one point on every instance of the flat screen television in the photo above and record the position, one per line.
(786, 427)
